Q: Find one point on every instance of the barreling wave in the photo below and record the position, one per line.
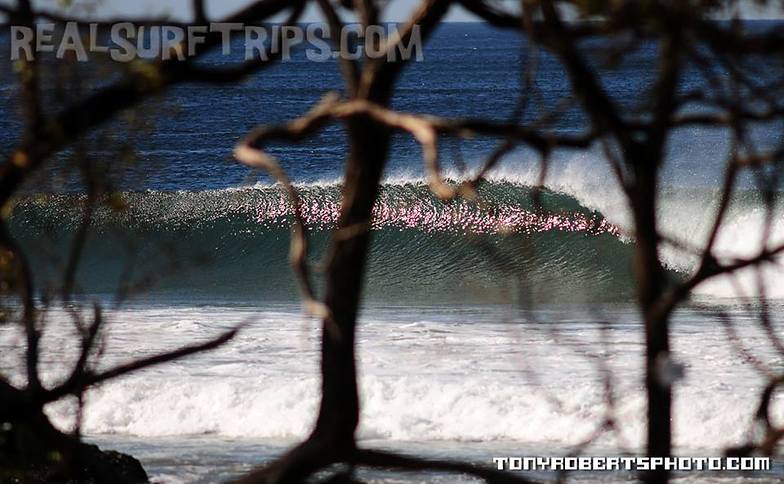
(233, 243)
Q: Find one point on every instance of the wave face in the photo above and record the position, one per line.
(234, 243)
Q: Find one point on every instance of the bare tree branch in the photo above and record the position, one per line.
(88, 379)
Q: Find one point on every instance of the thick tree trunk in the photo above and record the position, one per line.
(651, 285)
(332, 439)
(339, 412)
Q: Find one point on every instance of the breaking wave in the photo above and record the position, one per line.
(566, 245)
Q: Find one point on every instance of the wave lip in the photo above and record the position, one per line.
(410, 206)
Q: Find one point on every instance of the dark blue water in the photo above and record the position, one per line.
(183, 140)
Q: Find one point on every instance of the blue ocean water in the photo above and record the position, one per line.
(468, 70)
(482, 321)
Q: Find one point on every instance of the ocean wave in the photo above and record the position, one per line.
(234, 242)
(572, 242)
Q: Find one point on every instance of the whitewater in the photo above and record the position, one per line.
(453, 378)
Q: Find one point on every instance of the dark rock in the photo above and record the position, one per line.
(33, 451)
(109, 466)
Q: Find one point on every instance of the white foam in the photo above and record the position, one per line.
(425, 375)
